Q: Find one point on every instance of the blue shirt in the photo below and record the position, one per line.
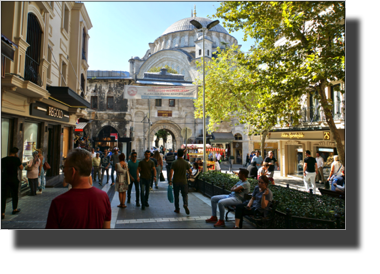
(258, 195)
(258, 160)
(246, 185)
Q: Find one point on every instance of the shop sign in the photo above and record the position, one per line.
(326, 135)
(257, 146)
(292, 135)
(42, 110)
(164, 113)
(160, 92)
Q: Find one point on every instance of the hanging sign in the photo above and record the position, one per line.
(160, 92)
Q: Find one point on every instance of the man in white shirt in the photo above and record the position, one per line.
(320, 163)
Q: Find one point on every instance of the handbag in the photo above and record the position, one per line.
(170, 193)
(46, 166)
(28, 168)
(162, 178)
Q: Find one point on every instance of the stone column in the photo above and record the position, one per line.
(18, 141)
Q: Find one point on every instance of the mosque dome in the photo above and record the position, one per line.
(185, 25)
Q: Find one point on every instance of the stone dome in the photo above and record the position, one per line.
(184, 25)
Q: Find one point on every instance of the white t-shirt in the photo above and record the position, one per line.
(319, 161)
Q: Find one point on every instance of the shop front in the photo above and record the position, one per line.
(223, 140)
(293, 145)
(268, 146)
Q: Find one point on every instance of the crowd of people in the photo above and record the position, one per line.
(84, 206)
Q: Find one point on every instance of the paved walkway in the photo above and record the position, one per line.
(159, 215)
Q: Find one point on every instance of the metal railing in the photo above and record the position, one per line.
(31, 71)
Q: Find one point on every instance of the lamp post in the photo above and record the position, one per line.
(199, 26)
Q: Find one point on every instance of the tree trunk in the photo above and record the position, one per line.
(263, 137)
(331, 123)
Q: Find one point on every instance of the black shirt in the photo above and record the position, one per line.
(9, 168)
(252, 171)
(310, 161)
(269, 160)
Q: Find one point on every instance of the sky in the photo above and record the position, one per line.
(124, 29)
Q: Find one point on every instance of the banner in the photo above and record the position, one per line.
(160, 92)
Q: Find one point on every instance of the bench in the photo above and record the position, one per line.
(259, 221)
(331, 193)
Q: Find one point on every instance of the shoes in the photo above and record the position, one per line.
(138, 204)
(39, 192)
(235, 227)
(150, 188)
(176, 211)
(219, 223)
(156, 187)
(16, 211)
(143, 208)
(146, 204)
(187, 210)
(213, 219)
(123, 206)
(128, 201)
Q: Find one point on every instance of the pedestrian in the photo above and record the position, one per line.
(83, 206)
(169, 158)
(105, 163)
(99, 152)
(159, 166)
(320, 164)
(258, 159)
(252, 170)
(179, 167)
(96, 168)
(93, 155)
(122, 179)
(130, 155)
(247, 158)
(132, 166)
(114, 161)
(336, 168)
(32, 173)
(10, 165)
(272, 162)
(41, 172)
(309, 168)
(155, 166)
(219, 158)
(144, 175)
(263, 170)
(234, 198)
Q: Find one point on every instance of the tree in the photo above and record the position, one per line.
(161, 134)
(311, 56)
(232, 93)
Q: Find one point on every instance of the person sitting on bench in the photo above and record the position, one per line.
(252, 170)
(261, 196)
(338, 183)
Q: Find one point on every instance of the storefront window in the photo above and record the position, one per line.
(327, 153)
(4, 137)
(30, 144)
(65, 142)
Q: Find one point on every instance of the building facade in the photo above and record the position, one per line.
(42, 88)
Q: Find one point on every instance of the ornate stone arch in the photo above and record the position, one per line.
(33, 9)
(171, 126)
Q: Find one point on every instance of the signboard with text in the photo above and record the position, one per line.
(164, 113)
(160, 92)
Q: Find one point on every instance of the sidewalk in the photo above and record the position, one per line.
(159, 215)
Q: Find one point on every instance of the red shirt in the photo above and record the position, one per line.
(79, 209)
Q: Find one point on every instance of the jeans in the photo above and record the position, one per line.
(112, 171)
(107, 172)
(221, 201)
(144, 188)
(33, 184)
(184, 188)
(137, 190)
(320, 176)
(310, 176)
(158, 172)
(43, 181)
(96, 173)
(13, 187)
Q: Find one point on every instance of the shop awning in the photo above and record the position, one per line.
(222, 137)
(67, 97)
(6, 47)
(80, 126)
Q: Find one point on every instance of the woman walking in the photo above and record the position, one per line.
(159, 166)
(32, 173)
(41, 172)
(122, 179)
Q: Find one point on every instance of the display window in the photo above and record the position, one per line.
(30, 145)
(327, 153)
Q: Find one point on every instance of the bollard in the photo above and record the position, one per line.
(311, 191)
(287, 185)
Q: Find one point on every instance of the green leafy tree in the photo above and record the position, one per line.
(232, 93)
(158, 69)
(310, 57)
(162, 134)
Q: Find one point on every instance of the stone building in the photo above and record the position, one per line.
(177, 49)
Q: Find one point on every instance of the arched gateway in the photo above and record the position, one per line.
(171, 127)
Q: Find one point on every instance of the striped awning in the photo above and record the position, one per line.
(80, 126)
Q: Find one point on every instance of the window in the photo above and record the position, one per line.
(82, 83)
(171, 103)
(208, 52)
(32, 56)
(84, 46)
(94, 102)
(238, 136)
(200, 52)
(158, 102)
(66, 16)
(64, 72)
(110, 102)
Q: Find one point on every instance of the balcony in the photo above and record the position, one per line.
(31, 71)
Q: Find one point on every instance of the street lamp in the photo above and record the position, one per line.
(199, 26)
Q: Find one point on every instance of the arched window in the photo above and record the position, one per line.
(238, 136)
(82, 84)
(84, 45)
(32, 56)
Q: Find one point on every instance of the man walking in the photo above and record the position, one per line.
(169, 158)
(272, 162)
(10, 166)
(179, 167)
(105, 164)
(309, 168)
(83, 206)
(320, 163)
(144, 174)
(258, 159)
(96, 167)
(132, 166)
(155, 165)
